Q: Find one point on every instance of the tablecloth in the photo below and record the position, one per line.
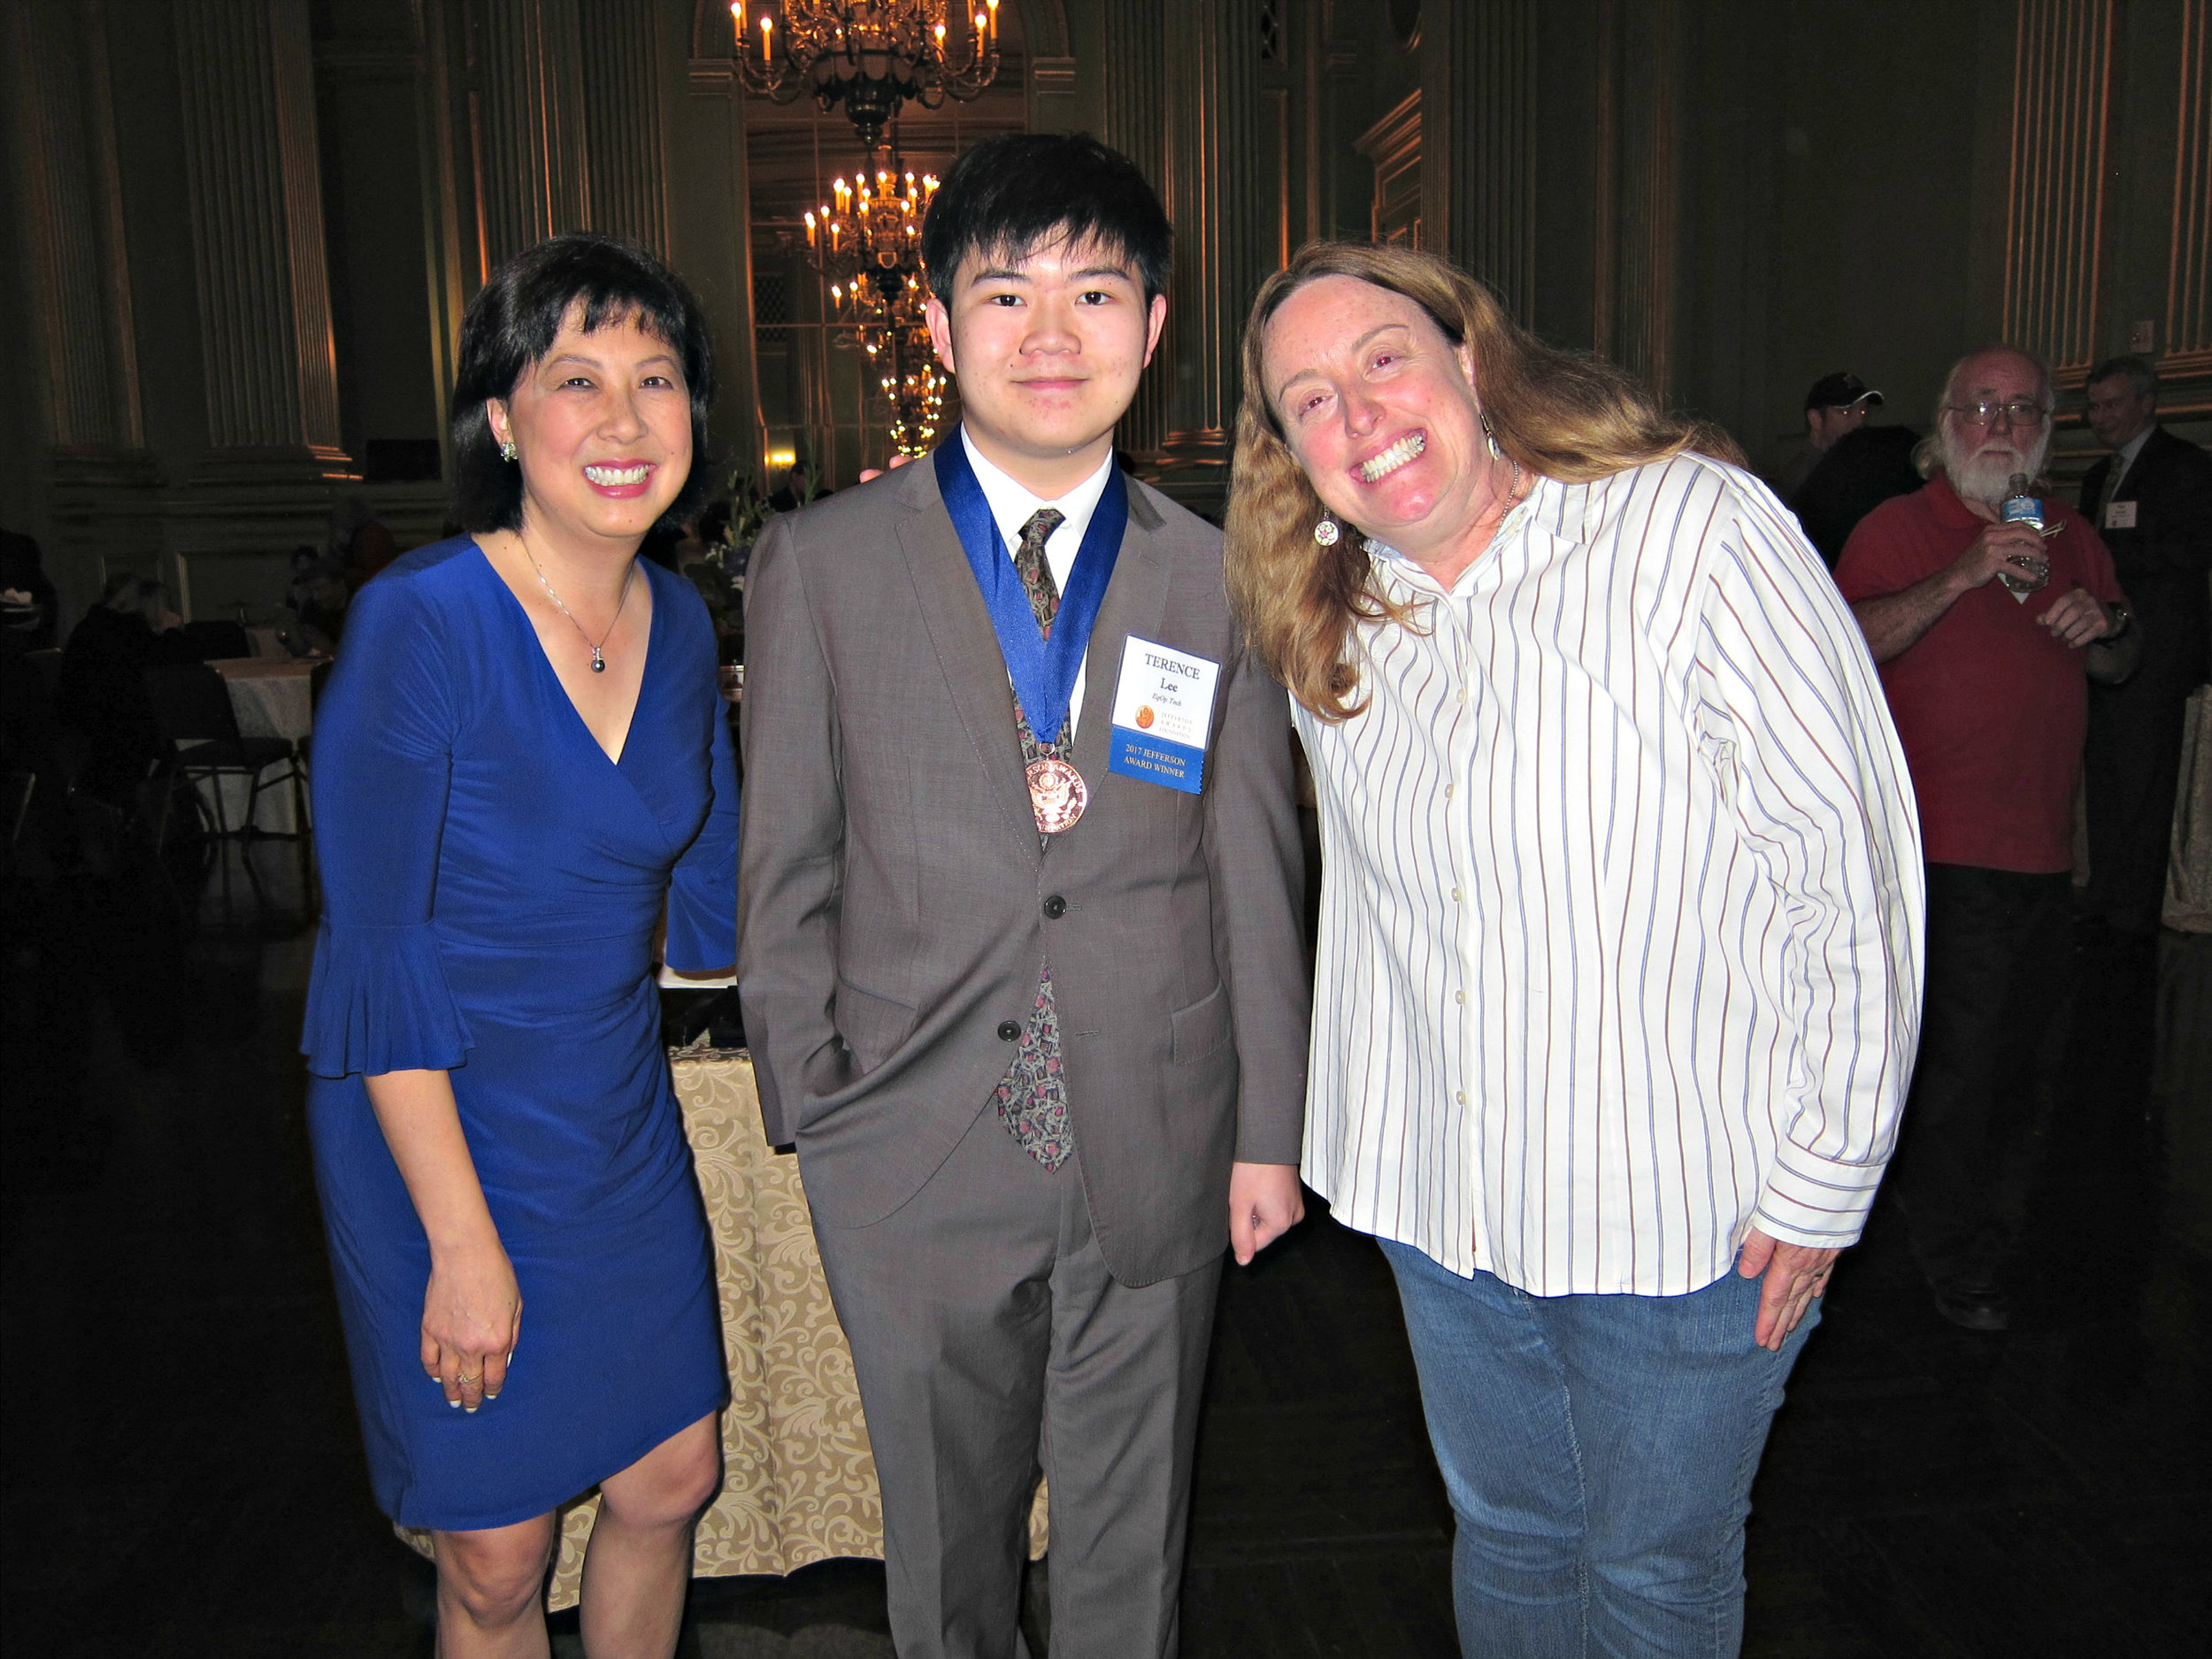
(798, 1479)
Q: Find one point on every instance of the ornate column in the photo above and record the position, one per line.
(1636, 202)
(1478, 141)
(1212, 82)
(2055, 207)
(1135, 74)
(2189, 267)
(63, 107)
(626, 155)
(717, 220)
(248, 76)
(566, 122)
(80, 370)
(526, 108)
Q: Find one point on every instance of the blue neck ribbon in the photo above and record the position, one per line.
(1043, 671)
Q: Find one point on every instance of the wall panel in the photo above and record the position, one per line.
(2056, 198)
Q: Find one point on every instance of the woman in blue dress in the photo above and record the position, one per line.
(522, 755)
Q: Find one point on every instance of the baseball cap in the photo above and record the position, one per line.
(1841, 391)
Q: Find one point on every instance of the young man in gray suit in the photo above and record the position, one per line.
(1020, 954)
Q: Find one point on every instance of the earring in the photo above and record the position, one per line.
(1325, 533)
(1489, 437)
(507, 450)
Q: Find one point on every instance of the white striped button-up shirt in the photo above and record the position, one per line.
(1620, 940)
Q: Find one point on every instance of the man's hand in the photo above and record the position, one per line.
(1894, 623)
(1794, 1274)
(867, 472)
(1265, 1202)
(2015, 547)
(2077, 619)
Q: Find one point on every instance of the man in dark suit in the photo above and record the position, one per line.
(1020, 954)
(2151, 500)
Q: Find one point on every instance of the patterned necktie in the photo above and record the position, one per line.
(1029, 559)
(1031, 1099)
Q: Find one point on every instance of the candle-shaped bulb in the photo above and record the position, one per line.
(767, 28)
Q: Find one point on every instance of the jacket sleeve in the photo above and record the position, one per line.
(792, 842)
(1256, 866)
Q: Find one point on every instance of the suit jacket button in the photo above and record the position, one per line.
(1007, 1030)
(1056, 907)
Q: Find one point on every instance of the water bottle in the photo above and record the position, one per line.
(2019, 506)
(2029, 572)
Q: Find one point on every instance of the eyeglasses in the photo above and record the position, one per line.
(2020, 411)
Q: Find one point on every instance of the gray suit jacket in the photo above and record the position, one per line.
(895, 907)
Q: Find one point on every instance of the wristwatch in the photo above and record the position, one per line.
(2125, 620)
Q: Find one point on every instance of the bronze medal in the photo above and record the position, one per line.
(1057, 793)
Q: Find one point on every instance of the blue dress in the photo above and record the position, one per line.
(491, 882)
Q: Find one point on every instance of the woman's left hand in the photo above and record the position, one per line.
(1793, 1275)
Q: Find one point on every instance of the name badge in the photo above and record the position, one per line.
(2119, 515)
(1164, 707)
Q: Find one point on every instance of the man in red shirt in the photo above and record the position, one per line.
(1988, 634)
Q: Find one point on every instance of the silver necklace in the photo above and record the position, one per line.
(598, 656)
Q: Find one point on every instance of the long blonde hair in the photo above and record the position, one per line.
(1565, 415)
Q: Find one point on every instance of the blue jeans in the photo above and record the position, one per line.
(1599, 1453)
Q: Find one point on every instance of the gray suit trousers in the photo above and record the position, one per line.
(978, 1310)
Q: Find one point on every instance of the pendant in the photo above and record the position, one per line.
(1057, 793)
(598, 662)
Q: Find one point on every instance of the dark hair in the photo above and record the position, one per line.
(2137, 371)
(513, 321)
(1011, 194)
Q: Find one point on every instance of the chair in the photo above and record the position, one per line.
(192, 709)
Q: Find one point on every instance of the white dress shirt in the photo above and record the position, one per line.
(1012, 506)
(2125, 458)
(1622, 898)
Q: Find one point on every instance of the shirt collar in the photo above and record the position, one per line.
(2129, 450)
(1411, 572)
(1013, 503)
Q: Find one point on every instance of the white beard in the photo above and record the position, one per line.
(1985, 475)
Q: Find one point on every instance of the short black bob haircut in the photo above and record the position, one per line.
(1012, 195)
(513, 321)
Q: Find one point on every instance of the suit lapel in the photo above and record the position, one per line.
(1135, 603)
(967, 649)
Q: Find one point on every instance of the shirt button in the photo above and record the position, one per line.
(1448, 790)
(1461, 1097)
(1462, 694)
(1007, 1030)
(1455, 896)
(1056, 907)
(1459, 996)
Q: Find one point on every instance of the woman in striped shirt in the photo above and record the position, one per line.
(1619, 955)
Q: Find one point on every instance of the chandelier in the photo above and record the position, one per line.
(871, 56)
(870, 244)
